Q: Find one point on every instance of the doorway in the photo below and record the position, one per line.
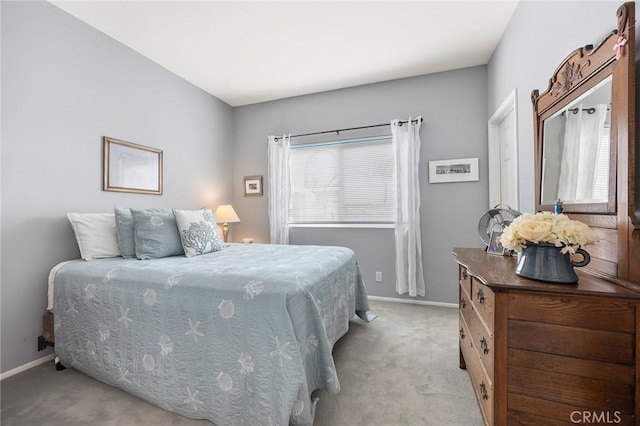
(503, 154)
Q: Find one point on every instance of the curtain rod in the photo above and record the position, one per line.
(348, 129)
(589, 110)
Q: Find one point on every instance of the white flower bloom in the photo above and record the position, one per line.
(549, 228)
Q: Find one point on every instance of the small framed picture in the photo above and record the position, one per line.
(253, 185)
(495, 246)
(456, 170)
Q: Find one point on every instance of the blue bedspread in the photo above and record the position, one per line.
(240, 337)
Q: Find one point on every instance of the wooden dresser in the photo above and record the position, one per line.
(547, 354)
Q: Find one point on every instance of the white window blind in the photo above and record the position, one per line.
(351, 181)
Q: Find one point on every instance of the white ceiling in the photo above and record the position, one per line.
(247, 52)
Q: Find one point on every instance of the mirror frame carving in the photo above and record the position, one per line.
(617, 254)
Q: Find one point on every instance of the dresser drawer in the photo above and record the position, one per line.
(596, 313)
(482, 340)
(465, 301)
(464, 336)
(483, 300)
(482, 385)
(465, 279)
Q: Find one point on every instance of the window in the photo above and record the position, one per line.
(350, 181)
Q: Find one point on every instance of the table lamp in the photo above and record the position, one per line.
(225, 214)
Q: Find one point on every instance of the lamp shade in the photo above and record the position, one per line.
(226, 214)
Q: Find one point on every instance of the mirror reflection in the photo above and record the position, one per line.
(576, 141)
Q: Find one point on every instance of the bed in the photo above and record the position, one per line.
(240, 336)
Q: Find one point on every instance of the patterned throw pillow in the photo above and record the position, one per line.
(155, 234)
(198, 231)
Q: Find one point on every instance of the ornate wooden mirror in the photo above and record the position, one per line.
(584, 126)
(577, 165)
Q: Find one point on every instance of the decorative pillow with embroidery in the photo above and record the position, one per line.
(155, 234)
(198, 231)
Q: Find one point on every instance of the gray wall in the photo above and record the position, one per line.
(539, 36)
(64, 86)
(453, 105)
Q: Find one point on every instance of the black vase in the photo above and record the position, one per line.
(546, 262)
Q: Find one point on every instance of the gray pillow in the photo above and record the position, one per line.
(124, 232)
(156, 234)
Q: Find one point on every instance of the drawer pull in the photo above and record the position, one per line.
(462, 335)
(483, 391)
(480, 296)
(463, 303)
(484, 346)
(464, 275)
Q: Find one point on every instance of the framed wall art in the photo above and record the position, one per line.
(456, 170)
(253, 185)
(129, 167)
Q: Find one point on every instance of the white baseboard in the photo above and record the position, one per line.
(414, 302)
(27, 366)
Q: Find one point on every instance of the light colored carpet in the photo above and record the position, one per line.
(401, 369)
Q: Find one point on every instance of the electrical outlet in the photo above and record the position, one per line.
(42, 345)
(379, 276)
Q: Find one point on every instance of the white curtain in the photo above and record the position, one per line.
(279, 188)
(582, 137)
(409, 274)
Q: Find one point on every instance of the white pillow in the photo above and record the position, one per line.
(95, 234)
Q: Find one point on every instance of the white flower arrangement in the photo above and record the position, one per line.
(547, 228)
